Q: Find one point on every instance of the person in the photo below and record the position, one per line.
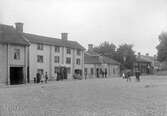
(35, 80)
(38, 77)
(128, 76)
(123, 75)
(105, 73)
(42, 78)
(137, 73)
(46, 77)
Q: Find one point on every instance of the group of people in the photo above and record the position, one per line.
(128, 78)
(41, 78)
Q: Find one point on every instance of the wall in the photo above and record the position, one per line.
(12, 61)
(3, 61)
(33, 64)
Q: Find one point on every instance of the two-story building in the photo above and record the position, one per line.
(13, 56)
(37, 54)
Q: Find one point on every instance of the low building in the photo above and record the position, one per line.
(97, 66)
(146, 64)
(30, 53)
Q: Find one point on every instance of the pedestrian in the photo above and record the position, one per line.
(38, 76)
(137, 73)
(46, 77)
(35, 80)
(105, 73)
(42, 78)
(128, 76)
(123, 75)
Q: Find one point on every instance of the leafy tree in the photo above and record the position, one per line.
(106, 49)
(126, 56)
(162, 47)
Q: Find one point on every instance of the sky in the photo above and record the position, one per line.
(137, 22)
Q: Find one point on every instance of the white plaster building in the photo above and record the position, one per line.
(98, 66)
(36, 53)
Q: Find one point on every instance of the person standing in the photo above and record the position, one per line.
(38, 77)
(46, 77)
(137, 73)
(42, 78)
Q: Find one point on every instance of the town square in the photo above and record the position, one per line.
(83, 58)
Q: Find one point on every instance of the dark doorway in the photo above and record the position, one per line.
(16, 75)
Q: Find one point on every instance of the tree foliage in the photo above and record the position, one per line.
(162, 47)
(123, 52)
(126, 55)
(106, 48)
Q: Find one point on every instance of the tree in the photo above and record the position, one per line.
(106, 49)
(126, 56)
(162, 47)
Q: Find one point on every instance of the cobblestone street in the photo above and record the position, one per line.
(94, 97)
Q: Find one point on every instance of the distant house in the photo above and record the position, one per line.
(22, 55)
(97, 66)
(146, 64)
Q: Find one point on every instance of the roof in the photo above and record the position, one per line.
(9, 35)
(92, 59)
(139, 59)
(88, 59)
(52, 41)
(108, 60)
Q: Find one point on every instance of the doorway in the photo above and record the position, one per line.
(16, 75)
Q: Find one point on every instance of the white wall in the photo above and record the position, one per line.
(3, 63)
(12, 61)
(33, 64)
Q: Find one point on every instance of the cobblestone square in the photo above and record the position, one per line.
(93, 97)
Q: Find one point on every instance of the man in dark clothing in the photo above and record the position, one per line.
(137, 73)
(46, 77)
(38, 77)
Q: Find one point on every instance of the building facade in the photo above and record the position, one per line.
(30, 54)
(99, 66)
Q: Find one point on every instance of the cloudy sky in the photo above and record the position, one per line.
(137, 22)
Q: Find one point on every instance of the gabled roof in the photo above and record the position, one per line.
(52, 41)
(9, 35)
(98, 59)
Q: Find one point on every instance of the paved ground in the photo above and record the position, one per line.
(95, 97)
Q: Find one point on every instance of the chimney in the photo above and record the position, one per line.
(64, 36)
(19, 26)
(90, 47)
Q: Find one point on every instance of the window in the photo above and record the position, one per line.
(56, 69)
(68, 60)
(39, 46)
(40, 59)
(41, 71)
(68, 70)
(57, 59)
(68, 51)
(91, 71)
(57, 49)
(17, 54)
(78, 52)
(78, 61)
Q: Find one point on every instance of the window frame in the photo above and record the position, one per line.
(17, 55)
(40, 59)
